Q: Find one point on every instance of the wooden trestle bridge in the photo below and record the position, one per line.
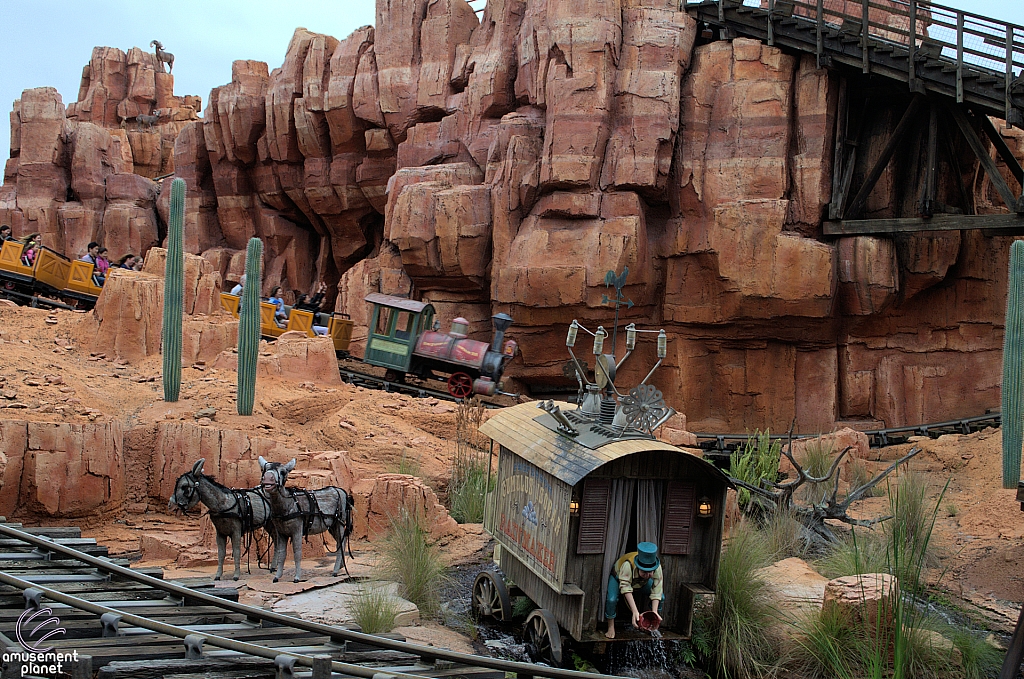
(948, 70)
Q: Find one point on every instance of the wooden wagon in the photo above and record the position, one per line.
(573, 493)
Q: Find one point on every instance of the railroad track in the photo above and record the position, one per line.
(723, 445)
(122, 623)
(369, 381)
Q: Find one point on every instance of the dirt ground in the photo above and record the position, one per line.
(48, 372)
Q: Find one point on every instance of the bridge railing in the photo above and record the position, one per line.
(975, 45)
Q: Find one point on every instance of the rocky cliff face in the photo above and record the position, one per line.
(508, 161)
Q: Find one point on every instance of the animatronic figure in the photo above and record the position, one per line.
(234, 513)
(297, 513)
(634, 573)
(163, 57)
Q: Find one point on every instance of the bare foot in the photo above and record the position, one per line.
(610, 634)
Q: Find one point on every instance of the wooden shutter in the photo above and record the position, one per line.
(679, 508)
(594, 516)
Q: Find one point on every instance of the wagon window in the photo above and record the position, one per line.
(403, 325)
(383, 318)
(675, 534)
(594, 516)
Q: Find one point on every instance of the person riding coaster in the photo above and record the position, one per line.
(635, 572)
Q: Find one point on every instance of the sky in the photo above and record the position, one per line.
(47, 42)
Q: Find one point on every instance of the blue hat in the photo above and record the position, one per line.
(647, 557)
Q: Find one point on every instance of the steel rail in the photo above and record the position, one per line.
(182, 632)
(389, 386)
(871, 433)
(520, 668)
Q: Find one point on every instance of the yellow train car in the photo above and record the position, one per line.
(339, 329)
(50, 274)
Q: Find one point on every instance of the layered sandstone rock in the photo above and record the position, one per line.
(129, 312)
(381, 500)
(294, 356)
(59, 470)
(506, 162)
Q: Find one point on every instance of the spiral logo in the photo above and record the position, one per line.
(33, 644)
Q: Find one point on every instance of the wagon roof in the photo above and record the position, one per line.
(518, 429)
(396, 302)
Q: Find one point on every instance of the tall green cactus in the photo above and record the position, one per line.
(249, 327)
(1013, 369)
(174, 293)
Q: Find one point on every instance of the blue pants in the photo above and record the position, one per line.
(611, 604)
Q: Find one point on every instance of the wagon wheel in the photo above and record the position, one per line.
(490, 597)
(394, 376)
(460, 385)
(543, 638)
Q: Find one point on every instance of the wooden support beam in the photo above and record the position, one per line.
(906, 122)
(835, 208)
(941, 222)
(931, 170)
(1002, 149)
(985, 159)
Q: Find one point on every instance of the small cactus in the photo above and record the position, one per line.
(249, 327)
(1013, 367)
(174, 293)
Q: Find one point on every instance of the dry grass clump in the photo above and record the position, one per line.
(408, 558)
(374, 609)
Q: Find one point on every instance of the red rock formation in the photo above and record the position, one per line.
(129, 312)
(61, 470)
(507, 162)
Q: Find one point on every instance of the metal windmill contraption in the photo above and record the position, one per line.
(603, 411)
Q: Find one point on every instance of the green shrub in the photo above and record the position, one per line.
(736, 631)
(909, 532)
(469, 482)
(784, 536)
(862, 551)
(522, 606)
(759, 459)
(826, 646)
(469, 489)
(979, 658)
(374, 609)
(408, 558)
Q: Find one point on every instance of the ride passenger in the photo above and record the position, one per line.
(312, 303)
(634, 573)
(102, 262)
(32, 245)
(126, 262)
(280, 315)
(237, 290)
(92, 256)
(5, 233)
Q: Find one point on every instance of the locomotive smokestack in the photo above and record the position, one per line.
(501, 323)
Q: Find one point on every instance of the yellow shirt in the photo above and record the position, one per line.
(630, 580)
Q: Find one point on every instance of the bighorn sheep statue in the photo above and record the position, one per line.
(163, 57)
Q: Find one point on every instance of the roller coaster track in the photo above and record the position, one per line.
(111, 613)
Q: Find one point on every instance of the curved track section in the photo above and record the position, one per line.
(121, 596)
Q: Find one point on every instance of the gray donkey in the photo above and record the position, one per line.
(297, 513)
(235, 513)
